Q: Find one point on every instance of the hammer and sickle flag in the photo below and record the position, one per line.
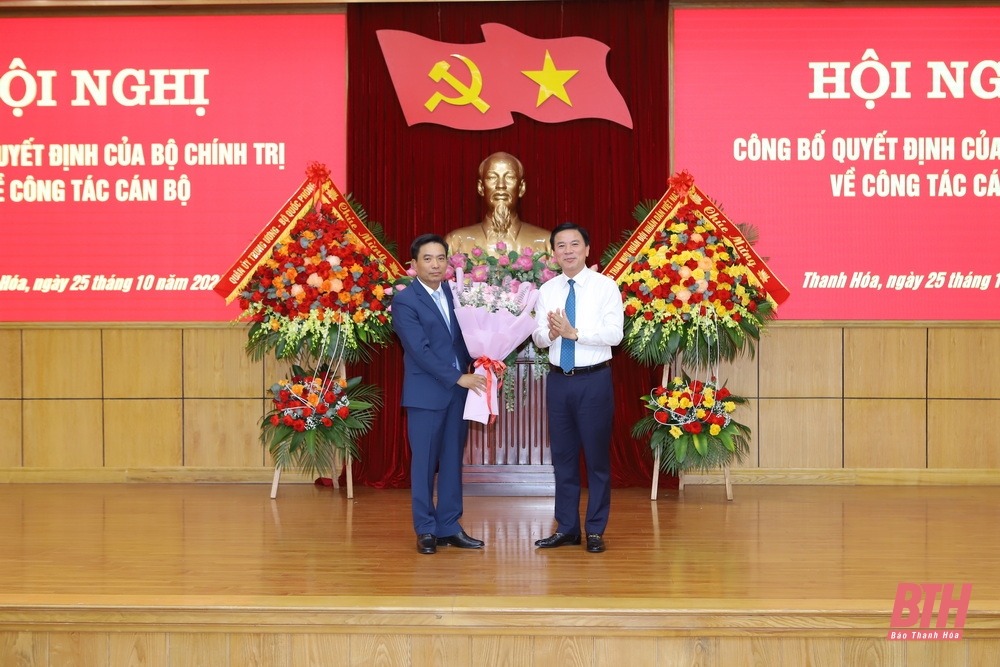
(478, 86)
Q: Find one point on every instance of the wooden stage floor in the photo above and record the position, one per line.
(221, 574)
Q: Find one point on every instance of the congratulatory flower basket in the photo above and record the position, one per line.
(316, 287)
(695, 293)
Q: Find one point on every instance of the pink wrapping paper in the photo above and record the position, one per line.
(493, 335)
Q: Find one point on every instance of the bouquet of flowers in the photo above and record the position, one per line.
(315, 412)
(498, 277)
(692, 425)
(495, 320)
(321, 292)
(529, 265)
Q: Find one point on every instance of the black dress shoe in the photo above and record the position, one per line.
(426, 544)
(557, 540)
(460, 540)
(595, 543)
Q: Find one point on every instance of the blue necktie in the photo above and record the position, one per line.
(439, 300)
(567, 353)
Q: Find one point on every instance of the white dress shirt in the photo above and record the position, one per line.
(444, 312)
(600, 316)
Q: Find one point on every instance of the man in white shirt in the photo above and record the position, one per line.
(579, 317)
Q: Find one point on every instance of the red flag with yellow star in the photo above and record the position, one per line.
(478, 86)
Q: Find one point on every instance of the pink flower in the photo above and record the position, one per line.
(548, 274)
(523, 263)
(449, 273)
(411, 272)
(526, 250)
(514, 284)
(479, 273)
(504, 260)
(458, 259)
(477, 252)
(501, 246)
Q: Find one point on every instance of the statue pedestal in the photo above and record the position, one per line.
(511, 456)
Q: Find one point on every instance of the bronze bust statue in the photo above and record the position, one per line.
(501, 185)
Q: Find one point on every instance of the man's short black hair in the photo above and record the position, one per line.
(423, 240)
(567, 226)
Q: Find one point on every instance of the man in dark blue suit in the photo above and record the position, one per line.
(434, 393)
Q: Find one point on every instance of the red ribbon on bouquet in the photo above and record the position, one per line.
(317, 174)
(498, 367)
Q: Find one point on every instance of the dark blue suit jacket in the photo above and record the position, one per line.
(429, 350)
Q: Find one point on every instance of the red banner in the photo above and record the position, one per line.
(861, 141)
(144, 154)
(477, 86)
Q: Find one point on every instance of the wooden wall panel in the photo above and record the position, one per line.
(143, 433)
(112, 649)
(78, 648)
(631, 651)
(62, 363)
(885, 363)
(379, 651)
(820, 364)
(688, 652)
(934, 653)
(749, 651)
(746, 414)
(223, 433)
(10, 434)
(24, 649)
(801, 362)
(801, 433)
(564, 651)
(742, 376)
(441, 651)
(142, 363)
(812, 652)
(963, 434)
(864, 652)
(963, 363)
(63, 434)
(10, 362)
(317, 650)
(259, 650)
(189, 649)
(501, 651)
(216, 365)
(885, 433)
(145, 649)
(984, 652)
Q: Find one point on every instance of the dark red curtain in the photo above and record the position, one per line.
(423, 178)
